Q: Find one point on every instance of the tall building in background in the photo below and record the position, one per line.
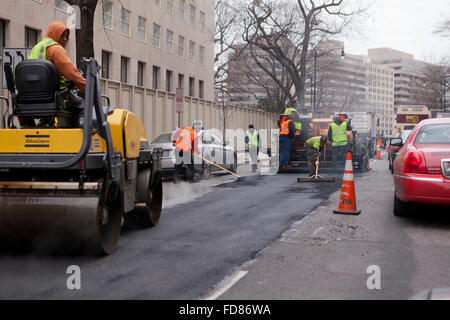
(409, 73)
(157, 44)
(351, 83)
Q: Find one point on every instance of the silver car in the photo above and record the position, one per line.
(211, 148)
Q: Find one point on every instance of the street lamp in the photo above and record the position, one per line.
(315, 75)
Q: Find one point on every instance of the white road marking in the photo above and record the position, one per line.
(225, 285)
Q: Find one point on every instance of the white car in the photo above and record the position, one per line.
(211, 147)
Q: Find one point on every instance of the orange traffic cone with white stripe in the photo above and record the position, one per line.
(347, 202)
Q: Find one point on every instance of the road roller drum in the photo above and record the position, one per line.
(71, 187)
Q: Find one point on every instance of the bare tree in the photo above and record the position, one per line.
(444, 28)
(225, 37)
(430, 87)
(256, 73)
(285, 30)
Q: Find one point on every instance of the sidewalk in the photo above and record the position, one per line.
(326, 256)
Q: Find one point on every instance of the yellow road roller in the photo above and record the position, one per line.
(69, 176)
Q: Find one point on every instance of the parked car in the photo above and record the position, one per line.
(212, 148)
(392, 151)
(422, 166)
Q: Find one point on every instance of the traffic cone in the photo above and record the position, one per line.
(378, 153)
(347, 202)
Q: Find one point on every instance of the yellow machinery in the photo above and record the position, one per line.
(70, 179)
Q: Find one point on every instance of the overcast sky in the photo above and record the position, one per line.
(406, 25)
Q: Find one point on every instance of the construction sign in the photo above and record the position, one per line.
(179, 100)
(13, 56)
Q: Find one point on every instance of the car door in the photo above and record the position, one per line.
(218, 150)
(206, 146)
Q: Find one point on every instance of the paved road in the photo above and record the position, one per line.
(205, 234)
(327, 256)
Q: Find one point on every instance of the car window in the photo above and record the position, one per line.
(405, 134)
(206, 138)
(434, 134)
(217, 140)
(163, 138)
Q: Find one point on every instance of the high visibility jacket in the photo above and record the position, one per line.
(314, 142)
(285, 127)
(298, 125)
(39, 51)
(253, 139)
(185, 139)
(339, 134)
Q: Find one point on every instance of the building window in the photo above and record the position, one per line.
(141, 74)
(125, 22)
(142, 33)
(181, 46)
(169, 80)
(155, 77)
(106, 63)
(201, 89)
(201, 54)
(181, 9)
(169, 5)
(192, 15)
(124, 69)
(191, 50)
(191, 86)
(202, 21)
(107, 8)
(156, 35)
(169, 41)
(31, 37)
(2, 34)
(180, 81)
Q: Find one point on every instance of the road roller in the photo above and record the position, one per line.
(70, 176)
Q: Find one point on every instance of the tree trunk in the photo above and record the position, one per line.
(85, 35)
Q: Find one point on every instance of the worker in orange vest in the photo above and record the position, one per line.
(287, 132)
(185, 141)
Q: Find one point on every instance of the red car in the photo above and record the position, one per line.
(422, 166)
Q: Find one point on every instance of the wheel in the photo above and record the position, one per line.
(149, 198)
(401, 209)
(206, 171)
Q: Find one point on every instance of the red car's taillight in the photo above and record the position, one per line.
(415, 163)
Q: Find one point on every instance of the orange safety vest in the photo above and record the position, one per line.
(285, 127)
(185, 139)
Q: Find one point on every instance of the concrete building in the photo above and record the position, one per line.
(351, 83)
(158, 44)
(408, 73)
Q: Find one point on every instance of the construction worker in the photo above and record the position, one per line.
(287, 132)
(253, 140)
(313, 148)
(52, 48)
(185, 141)
(337, 134)
(290, 110)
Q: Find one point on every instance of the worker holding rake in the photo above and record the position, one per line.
(313, 147)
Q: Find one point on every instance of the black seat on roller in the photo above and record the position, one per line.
(38, 93)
